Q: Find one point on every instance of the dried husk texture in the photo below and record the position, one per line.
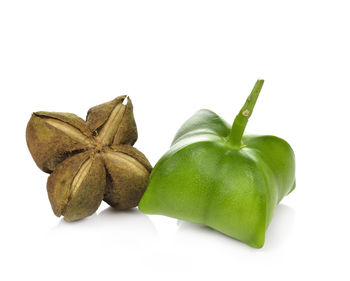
(127, 180)
(50, 145)
(134, 153)
(76, 187)
(89, 161)
(126, 132)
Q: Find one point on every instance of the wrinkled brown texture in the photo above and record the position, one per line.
(89, 161)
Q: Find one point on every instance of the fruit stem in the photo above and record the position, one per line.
(241, 120)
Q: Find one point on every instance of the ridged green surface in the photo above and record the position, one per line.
(205, 179)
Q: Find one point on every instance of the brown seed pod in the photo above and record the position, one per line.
(89, 161)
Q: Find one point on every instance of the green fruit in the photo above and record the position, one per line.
(214, 175)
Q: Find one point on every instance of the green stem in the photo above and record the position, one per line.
(241, 120)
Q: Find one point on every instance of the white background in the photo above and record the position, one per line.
(174, 58)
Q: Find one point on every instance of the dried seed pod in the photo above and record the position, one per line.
(77, 154)
(77, 185)
(113, 122)
(127, 177)
(52, 137)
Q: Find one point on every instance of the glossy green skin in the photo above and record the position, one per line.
(235, 191)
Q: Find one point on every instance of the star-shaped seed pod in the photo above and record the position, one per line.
(89, 161)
